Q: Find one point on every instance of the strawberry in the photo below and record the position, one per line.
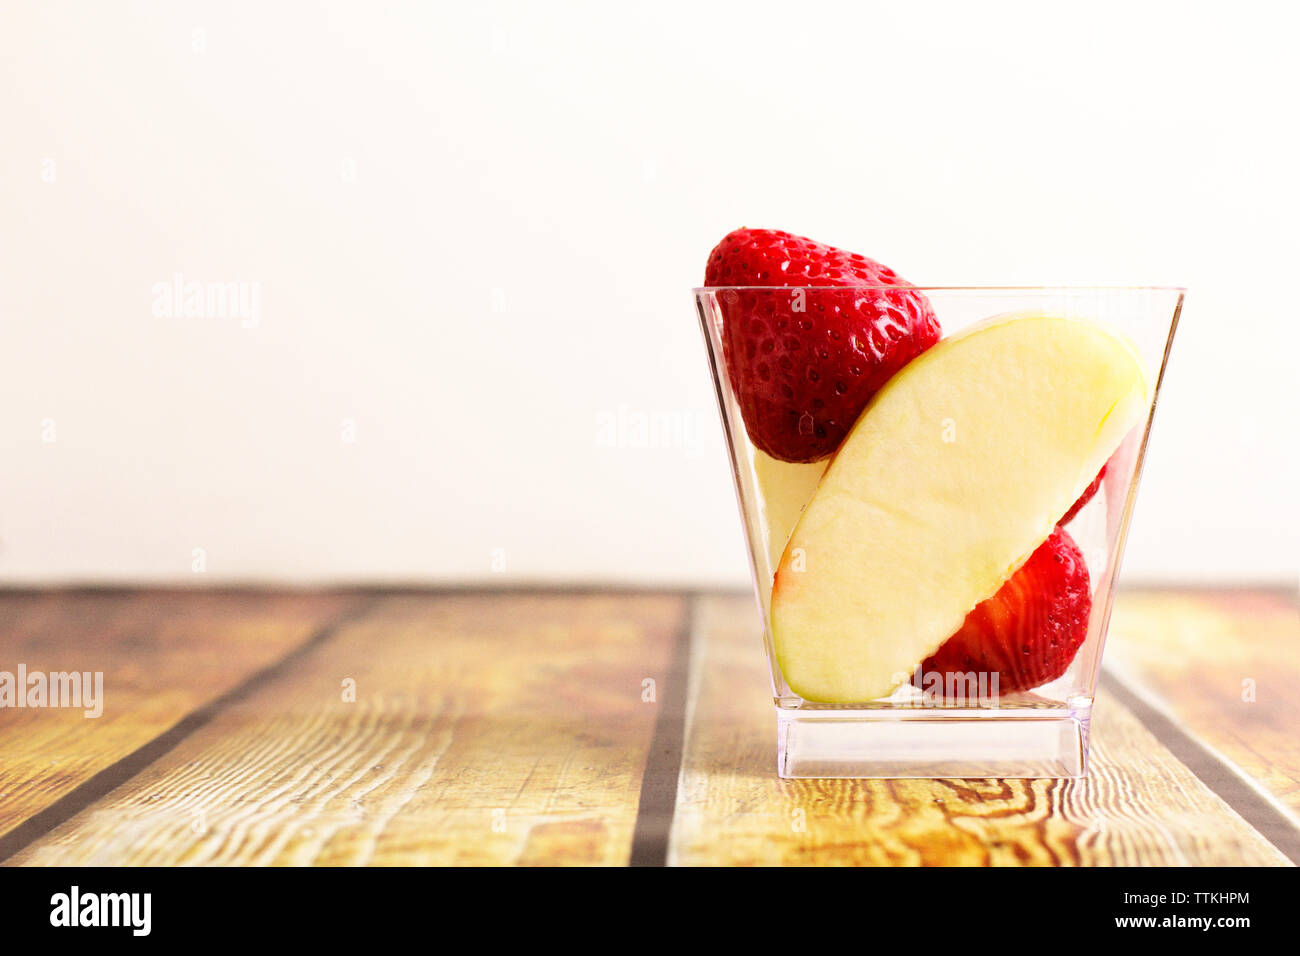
(1086, 496)
(810, 335)
(1031, 629)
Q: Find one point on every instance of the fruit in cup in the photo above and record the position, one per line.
(1029, 631)
(954, 475)
(803, 363)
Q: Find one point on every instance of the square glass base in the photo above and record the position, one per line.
(971, 743)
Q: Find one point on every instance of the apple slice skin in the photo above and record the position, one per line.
(955, 473)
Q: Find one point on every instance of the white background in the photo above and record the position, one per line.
(474, 228)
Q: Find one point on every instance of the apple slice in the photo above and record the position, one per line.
(956, 471)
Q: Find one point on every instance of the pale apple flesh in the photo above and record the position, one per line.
(784, 490)
(954, 473)
(777, 492)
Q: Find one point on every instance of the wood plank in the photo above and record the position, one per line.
(486, 729)
(163, 654)
(1225, 665)
(1140, 805)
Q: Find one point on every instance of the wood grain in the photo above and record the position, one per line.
(1226, 666)
(162, 654)
(1139, 806)
(486, 729)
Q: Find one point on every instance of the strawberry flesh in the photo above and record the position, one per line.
(1030, 630)
(807, 350)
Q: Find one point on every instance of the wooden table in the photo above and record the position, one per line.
(601, 727)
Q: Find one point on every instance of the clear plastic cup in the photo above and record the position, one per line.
(919, 730)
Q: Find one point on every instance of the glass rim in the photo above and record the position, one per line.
(881, 287)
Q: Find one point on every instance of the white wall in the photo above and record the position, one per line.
(473, 228)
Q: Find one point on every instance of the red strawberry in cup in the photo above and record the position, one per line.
(810, 335)
(1027, 633)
